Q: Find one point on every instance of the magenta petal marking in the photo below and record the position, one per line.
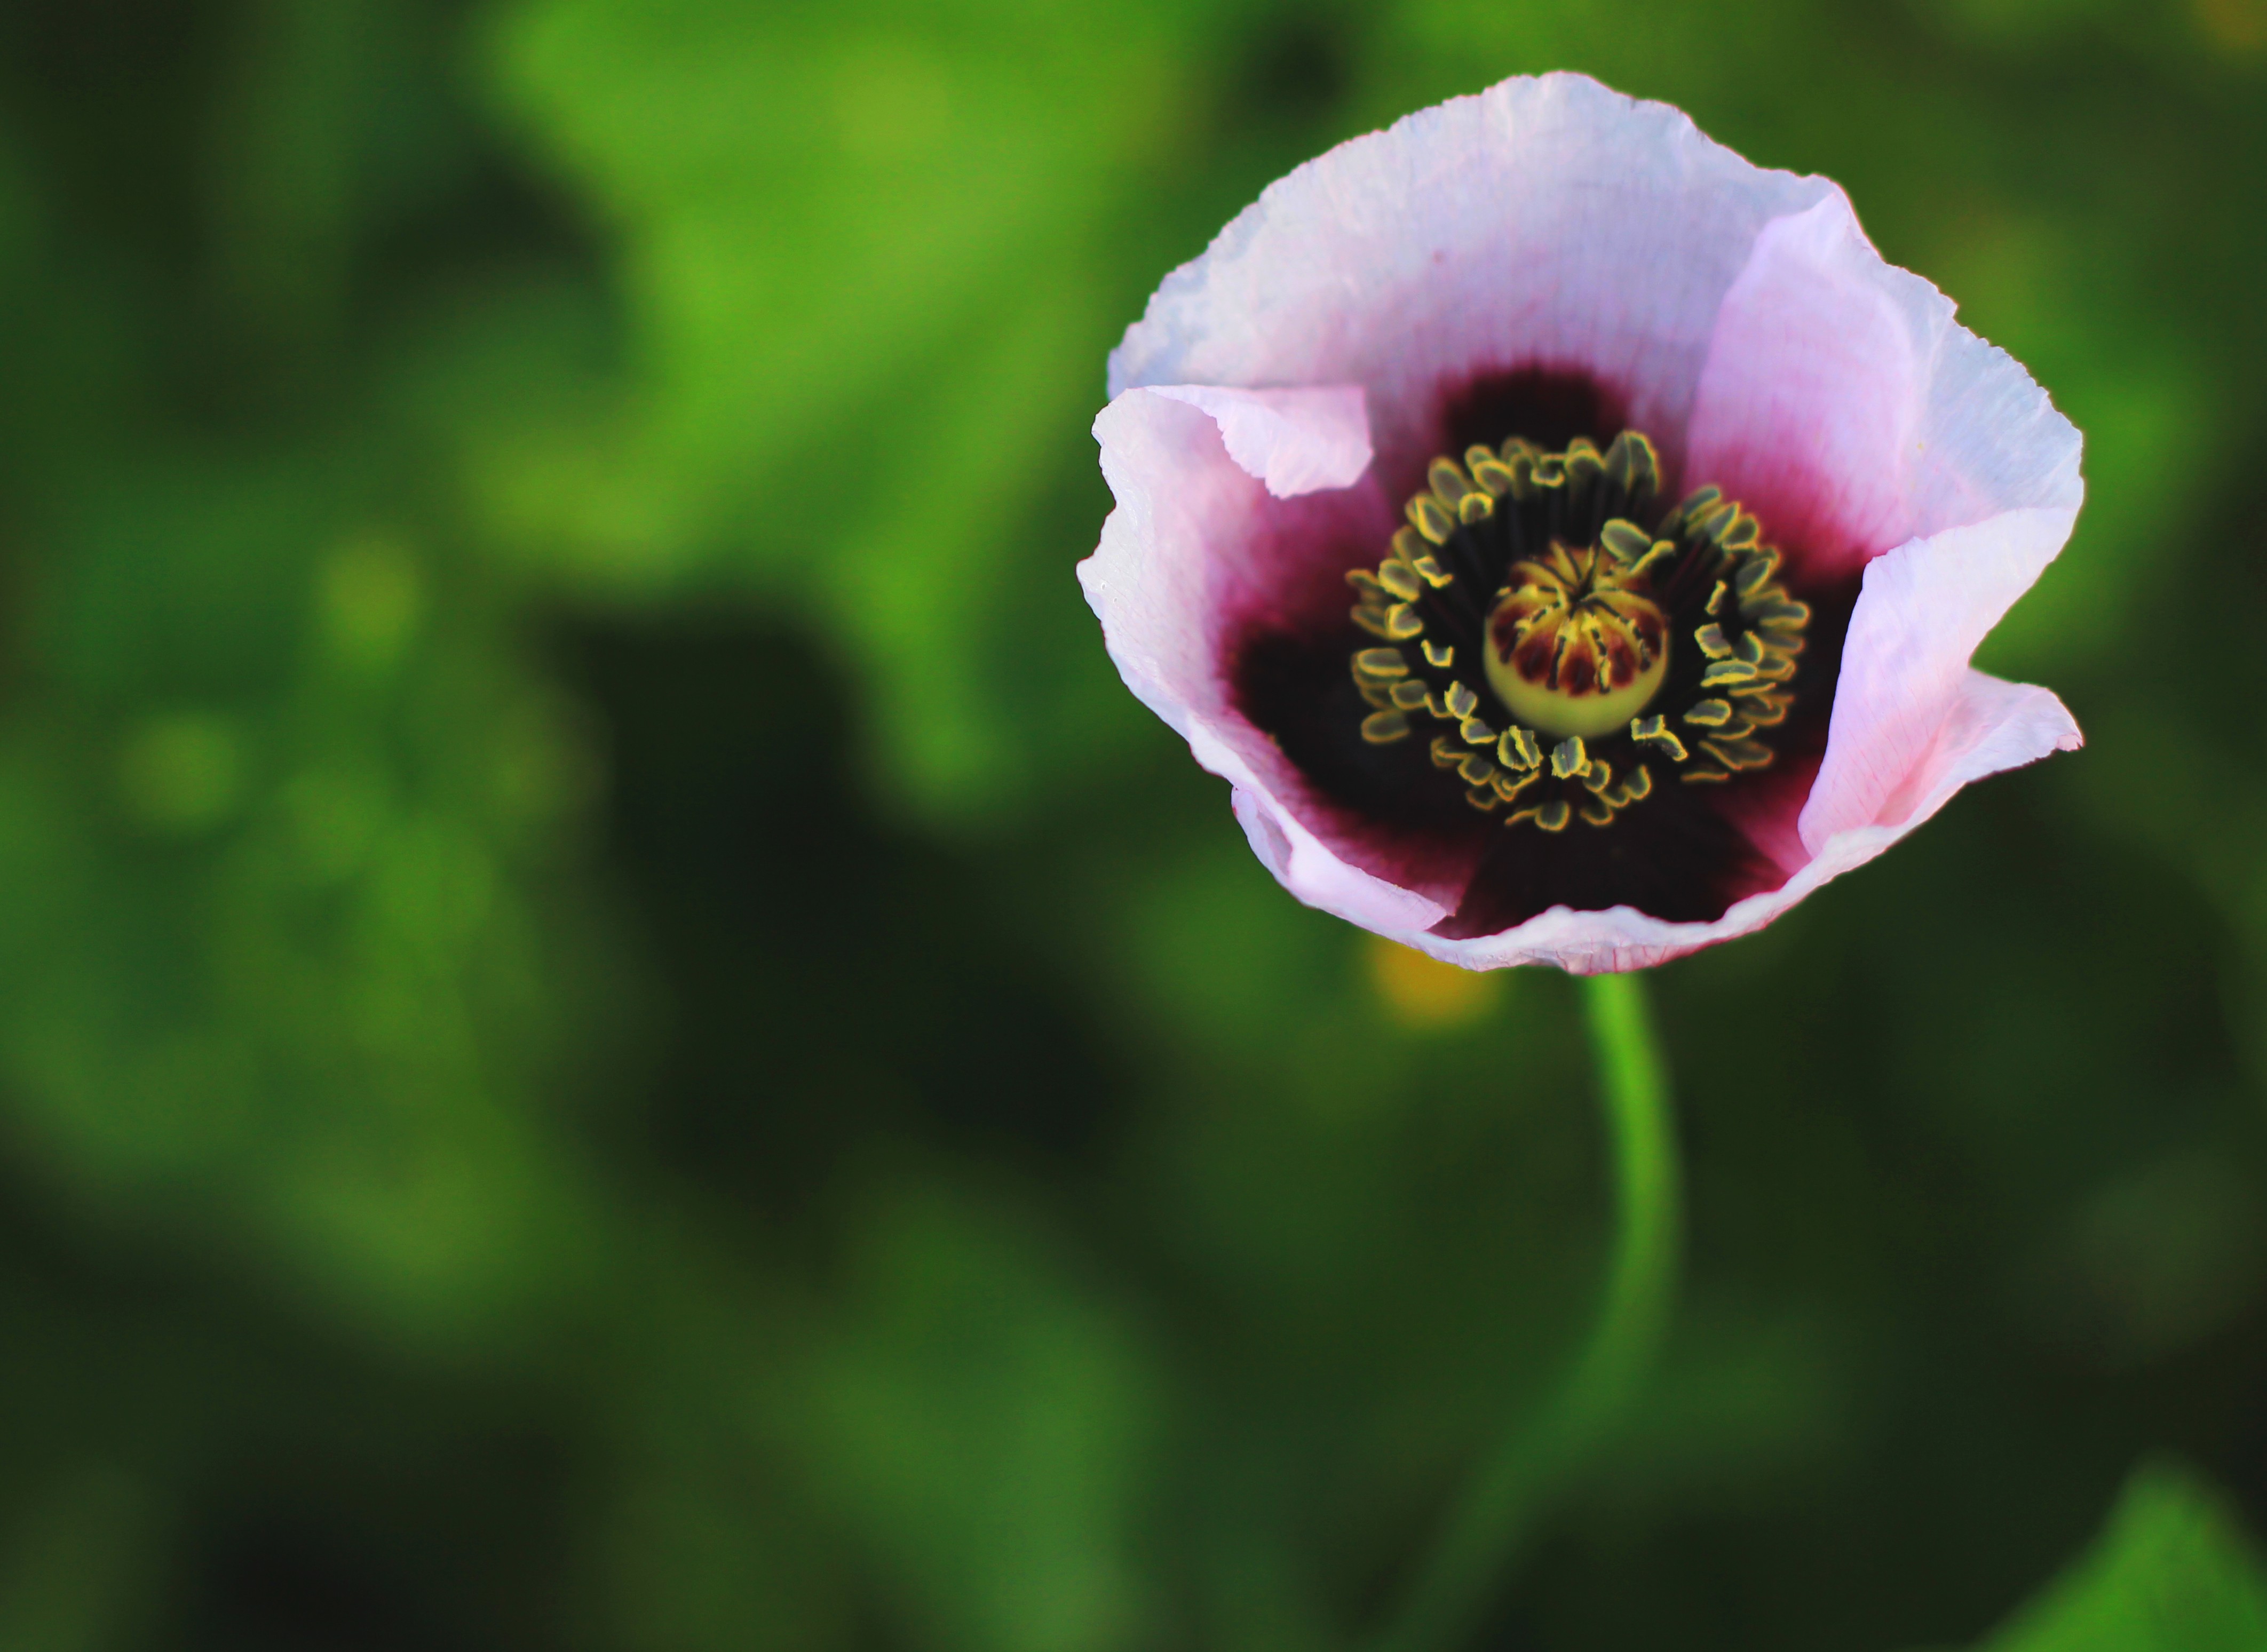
(1552, 233)
(1196, 539)
(1320, 878)
(1991, 726)
(1843, 404)
(1810, 404)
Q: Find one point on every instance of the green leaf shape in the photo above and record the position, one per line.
(805, 207)
(863, 267)
(2171, 1572)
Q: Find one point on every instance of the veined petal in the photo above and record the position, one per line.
(1309, 870)
(1551, 260)
(1197, 543)
(1920, 614)
(1545, 222)
(1843, 404)
(1296, 441)
(1991, 726)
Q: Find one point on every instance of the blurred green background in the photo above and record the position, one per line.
(617, 1038)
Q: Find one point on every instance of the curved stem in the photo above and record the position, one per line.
(1538, 1452)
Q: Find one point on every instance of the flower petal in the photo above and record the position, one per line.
(1991, 726)
(1923, 610)
(1198, 536)
(1314, 874)
(1547, 221)
(1551, 232)
(1296, 441)
(1842, 403)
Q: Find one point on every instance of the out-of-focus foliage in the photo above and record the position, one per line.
(814, 210)
(2170, 1572)
(617, 1038)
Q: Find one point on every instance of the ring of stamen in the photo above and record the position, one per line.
(1527, 606)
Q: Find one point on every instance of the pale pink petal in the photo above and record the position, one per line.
(1309, 359)
(1545, 221)
(1296, 441)
(1922, 611)
(1314, 874)
(1843, 404)
(1991, 726)
(1196, 538)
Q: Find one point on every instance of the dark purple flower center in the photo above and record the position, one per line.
(1402, 810)
(1566, 642)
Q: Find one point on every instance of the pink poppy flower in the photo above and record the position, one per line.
(1566, 539)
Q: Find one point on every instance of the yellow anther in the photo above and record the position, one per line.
(1382, 728)
(1663, 551)
(1386, 663)
(1430, 518)
(1656, 731)
(1762, 708)
(1738, 753)
(1447, 481)
(1625, 541)
(1489, 472)
(1575, 643)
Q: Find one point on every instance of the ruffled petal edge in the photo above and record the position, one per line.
(1991, 726)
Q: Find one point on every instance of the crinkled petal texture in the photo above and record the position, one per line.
(1285, 390)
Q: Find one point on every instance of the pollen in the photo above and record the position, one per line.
(1574, 635)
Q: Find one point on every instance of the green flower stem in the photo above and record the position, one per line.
(1539, 1452)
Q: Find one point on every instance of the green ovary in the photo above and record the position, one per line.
(1563, 711)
